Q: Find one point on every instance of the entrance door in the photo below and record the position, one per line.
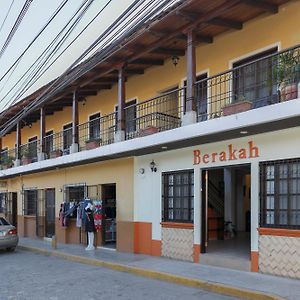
(11, 209)
(50, 213)
(109, 212)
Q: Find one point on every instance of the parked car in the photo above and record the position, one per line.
(8, 235)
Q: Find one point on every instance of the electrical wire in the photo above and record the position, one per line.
(15, 26)
(7, 14)
(58, 85)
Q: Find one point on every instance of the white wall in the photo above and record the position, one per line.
(147, 194)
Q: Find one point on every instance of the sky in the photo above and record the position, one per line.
(36, 17)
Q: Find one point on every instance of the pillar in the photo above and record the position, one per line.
(18, 144)
(75, 136)
(120, 133)
(41, 152)
(190, 115)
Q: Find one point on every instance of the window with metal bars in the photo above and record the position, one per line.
(280, 194)
(178, 196)
(30, 202)
(3, 197)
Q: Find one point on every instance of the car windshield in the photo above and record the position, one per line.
(3, 221)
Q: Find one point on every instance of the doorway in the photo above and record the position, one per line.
(225, 234)
(109, 232)
(50, 213)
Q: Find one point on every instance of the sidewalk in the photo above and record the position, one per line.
(225, 281)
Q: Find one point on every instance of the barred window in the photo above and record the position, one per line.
(280, 194)
(2, 202)
(30, 202)
(178, 196)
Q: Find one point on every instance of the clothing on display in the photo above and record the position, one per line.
(98, 216)
(89, 220)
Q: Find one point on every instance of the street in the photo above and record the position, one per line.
(26, 275)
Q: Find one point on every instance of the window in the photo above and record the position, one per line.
(32, 147)
(67, 137)
(94, 126)
(201, 96)
(253, 82)
(178, 196)
(30, 202)
(3, 201)
(74, 193)
(130, 116)
(280, 194)
(49, 141)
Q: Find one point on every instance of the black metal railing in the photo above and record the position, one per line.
(54, 145)
(28, 152)
(7, 158)
(154, 115)
(97, 132)
(263, 82)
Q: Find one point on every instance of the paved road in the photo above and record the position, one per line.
(26, 275)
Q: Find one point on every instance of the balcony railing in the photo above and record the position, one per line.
(97, 132)
(7, 158)
(260, 83)
(272, 79)
(28, 152)
(154, 115)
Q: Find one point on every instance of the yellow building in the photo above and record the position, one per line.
(183, 129)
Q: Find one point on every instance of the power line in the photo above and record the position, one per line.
(108, 48)
(7, 14)
(16, 26)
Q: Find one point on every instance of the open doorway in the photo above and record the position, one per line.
(225, 239)
(109, 232)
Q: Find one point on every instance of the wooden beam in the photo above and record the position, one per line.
(145, 61)
(87, 93)
(75, 118)
(18, 141)
(42, 130)
(198, 38)
(134, 71)
(263, 5)
(168, 51)
(191, 72)
(121, 101)
(229, 23)
(96, 86)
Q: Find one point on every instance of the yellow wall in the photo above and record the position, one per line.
(282, 29)
(118, 171)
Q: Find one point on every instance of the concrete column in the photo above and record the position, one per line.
(41, 152)
(75, 145)
(120, 133)
(229, 195)
(190, 115)
(18, 144)
(254, 205)
(240, 215)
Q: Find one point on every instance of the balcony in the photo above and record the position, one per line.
(260, 83)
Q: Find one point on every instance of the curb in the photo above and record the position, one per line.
(195, 283)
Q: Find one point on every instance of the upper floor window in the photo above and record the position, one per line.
(49, 141)
(94, 126)
(32, 146)
(280, 194)
(30, 202)
(178, 196)
(130, 116)
(254, 81)
(67, 137)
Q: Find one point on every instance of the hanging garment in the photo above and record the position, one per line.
(98, 215)
(79, 216)
(64, 207)
(70, 212)
(89, 221)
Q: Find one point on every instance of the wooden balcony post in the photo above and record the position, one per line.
(0, 149)
(41, 152)
(75, 137)
(18, 144)
(190, 105)
(120, 134)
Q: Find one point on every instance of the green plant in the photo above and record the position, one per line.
(7, 160)
(93, 139)
(286, 70)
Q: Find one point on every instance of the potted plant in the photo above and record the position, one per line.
(92, 143)
(148, 130)
(55, 153)
(286, 73)
(26, 157)
(242, 104)
(7, 162)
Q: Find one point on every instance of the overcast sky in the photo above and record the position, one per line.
(37, 15)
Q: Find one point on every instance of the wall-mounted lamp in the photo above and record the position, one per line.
(153, 166)
(175, 60)
(141, 171)
(60, 190)
(29, 125)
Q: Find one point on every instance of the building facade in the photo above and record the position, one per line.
(187, 134)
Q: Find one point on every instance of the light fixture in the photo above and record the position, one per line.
(243, 132)
(175, 60)
(29, 125)
(141, 171)
(153, 166)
